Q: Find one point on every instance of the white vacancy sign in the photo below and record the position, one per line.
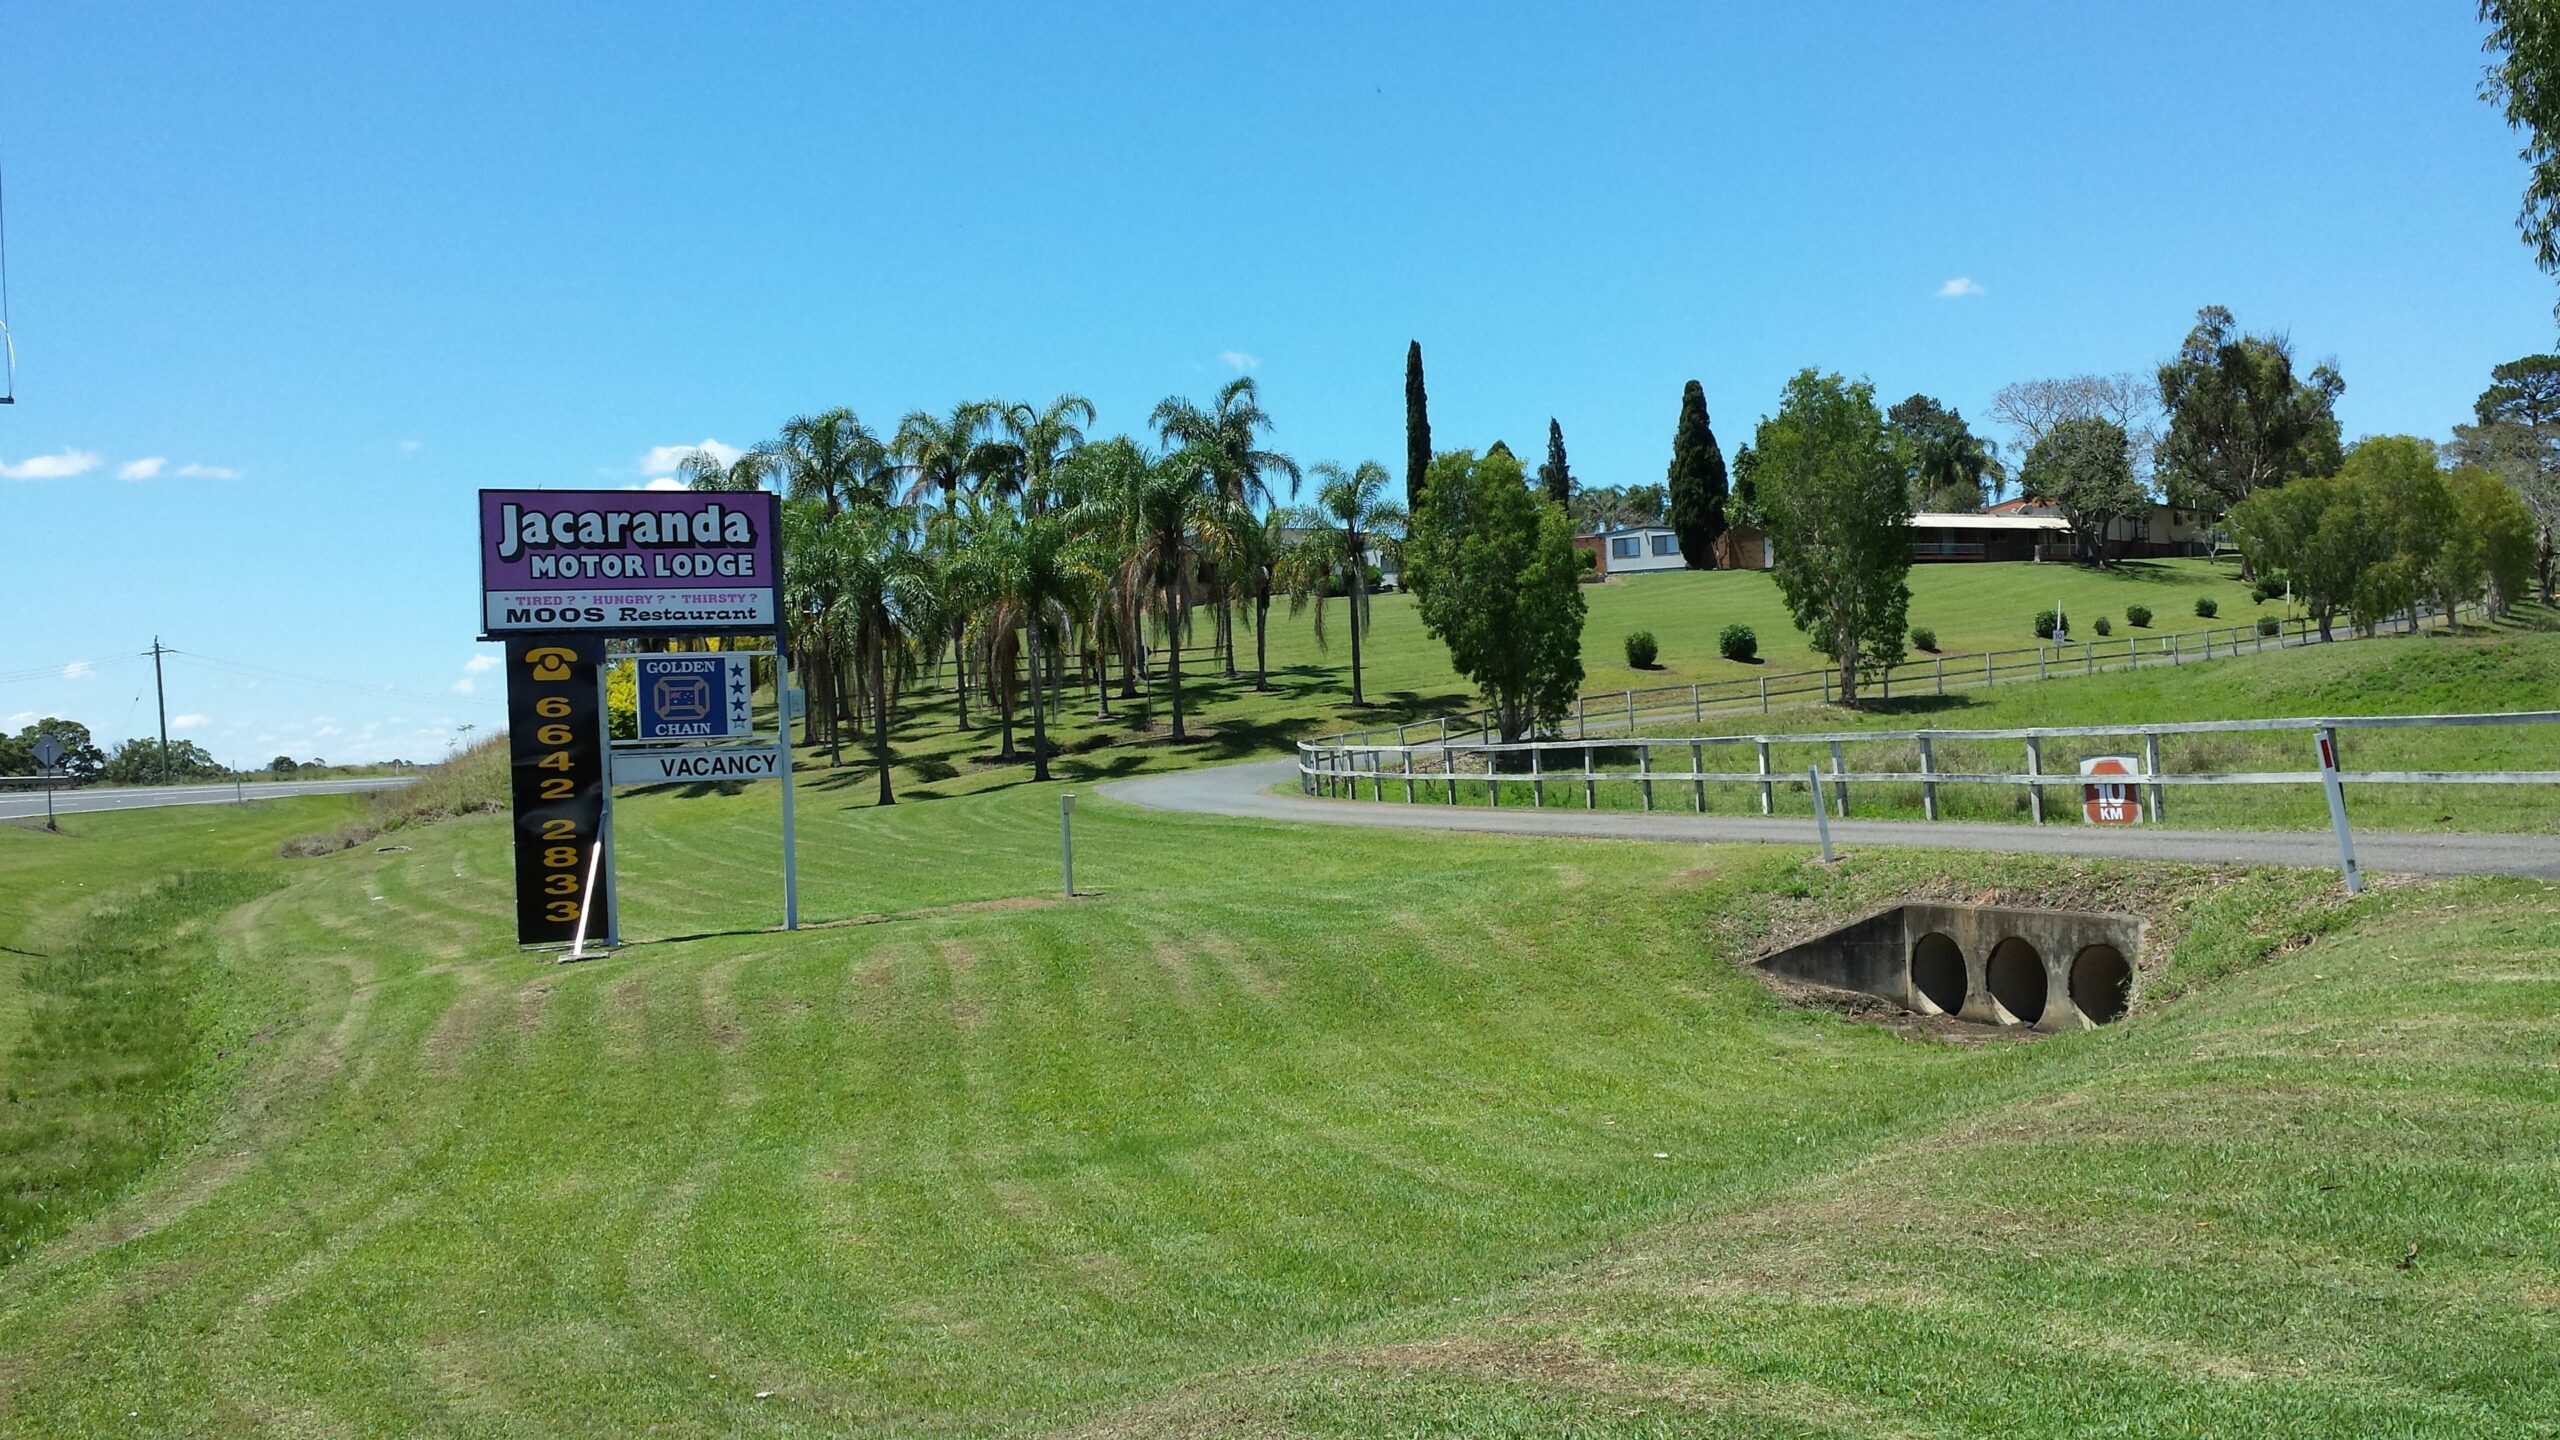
(694, 766)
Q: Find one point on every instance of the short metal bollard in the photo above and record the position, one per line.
(1067, 840)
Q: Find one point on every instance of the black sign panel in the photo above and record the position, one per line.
(556, 750)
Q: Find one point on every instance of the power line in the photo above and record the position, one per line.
(70, 669)
(353, 687)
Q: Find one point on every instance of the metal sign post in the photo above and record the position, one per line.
(2326, 739)
(1067, 839)
(782, 757)
(48, 758)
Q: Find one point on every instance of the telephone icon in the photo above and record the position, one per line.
(549, 662)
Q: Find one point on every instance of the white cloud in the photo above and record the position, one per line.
(407, 447)
(663, 459)
(208, 472)
(663, 482)
(324, 732)
(480, 664)
(59, 466)
(142, 469)
(23, 717)
(78, 670)
(185, 722)
(465, 685)
(1239, 360)
(1958, 289)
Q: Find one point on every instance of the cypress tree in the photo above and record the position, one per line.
(1556, 475)
(1697, 482)
(1417, 429)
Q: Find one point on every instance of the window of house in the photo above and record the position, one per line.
(1623, 547)
(1666, 544)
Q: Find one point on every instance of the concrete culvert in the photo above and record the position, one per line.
(2101, 983)
(2015, 978)
(1937, 973)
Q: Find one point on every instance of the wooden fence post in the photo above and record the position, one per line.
(1766, 792)
(1839, 787)
(1698, 772)
(1537, 777)
(1928, 788)
(1590, 787)
(1644, 769)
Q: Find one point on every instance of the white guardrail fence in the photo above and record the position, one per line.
(1928, 675)
(1439, 770)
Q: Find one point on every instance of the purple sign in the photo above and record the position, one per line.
(630, 562)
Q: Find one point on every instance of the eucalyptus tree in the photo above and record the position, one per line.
(1227, 436)
(832, 456)
(1351, 514)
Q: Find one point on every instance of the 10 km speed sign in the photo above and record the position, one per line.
(2106, 803)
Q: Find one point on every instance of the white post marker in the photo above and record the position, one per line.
(595, 860)
(1821, 815)
(2326, 738)
(604, 836)
(1067, 839)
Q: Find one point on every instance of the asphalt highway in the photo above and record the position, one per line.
(21, 802)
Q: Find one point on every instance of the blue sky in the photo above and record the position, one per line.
(335, 268)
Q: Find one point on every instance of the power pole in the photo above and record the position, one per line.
(161, 692)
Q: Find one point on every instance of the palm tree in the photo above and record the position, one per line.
(1269, 557)
(1104, 484)
(702, 470)
(884, 596)
(1949, 468)
(1228, 436)
(1351, 514)
(832, 456)
(943, 456)
(1175, 504)
(1037, 441)
(1037, 571)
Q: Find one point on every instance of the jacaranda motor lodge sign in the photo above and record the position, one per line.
(629, 562)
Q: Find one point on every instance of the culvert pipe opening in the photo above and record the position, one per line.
(2015, 978)
(2101, 983)
(1937, 973)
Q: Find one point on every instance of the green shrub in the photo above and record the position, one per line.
(1738, 643)
(2105, 627)
(2046, 623)
(2137, 616)
(2270, 625)
(1924, 638)
(2205, 608)
(2270, 586)
(1641, 650)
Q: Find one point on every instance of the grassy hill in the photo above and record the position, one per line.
(2512, 665)
(1407, 674)
(1284, 1131)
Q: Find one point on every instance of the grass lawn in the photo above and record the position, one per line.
(1284, 1131)
(1407, 675)
(2513, 665)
